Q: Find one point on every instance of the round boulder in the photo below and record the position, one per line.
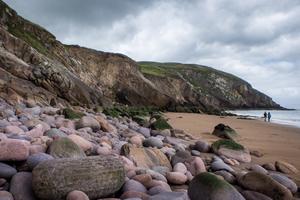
(207, 186)
(77, 195)
(6, 171)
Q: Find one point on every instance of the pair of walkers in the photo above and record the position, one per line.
(267, 116)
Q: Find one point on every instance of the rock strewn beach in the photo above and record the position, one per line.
(54, 152)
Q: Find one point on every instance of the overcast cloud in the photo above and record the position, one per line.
(257, 40)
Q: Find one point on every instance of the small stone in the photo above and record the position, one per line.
(35, 159)
(251, 195)
(256, 153)
(180, 167)
(195, 153)
(13, 129)
(157, 189)
(176, 178)
(81, 142)
(37, 148)
(196, 166)
(13, 150)
(181, 156)
(144, 131)
(220, 165)
(153, 142)
(133, 185)
(37, 131)
(285, 167)
(134, 194)
(283, 180)
(136, 140)
(143, 178)
(55, 133)
(87, 121)
(103, 150)
(227, 176)
(77, 195)
(259, 169)
(6, 171)
(21, 186)
(170, 196)
(269, 166)
(4, 195)
(65, 148)
(202, 146)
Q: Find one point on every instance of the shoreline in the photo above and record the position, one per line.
(275, 141)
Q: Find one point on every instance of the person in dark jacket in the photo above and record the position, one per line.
(269, 116)
(265, 116)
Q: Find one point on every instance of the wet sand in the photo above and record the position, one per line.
(276, 142)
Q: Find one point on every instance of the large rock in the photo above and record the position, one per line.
(95, 176)
(207, 186)
(146, 157)
(87, 121)
(20, 186)
(14, 150)
(224, 131)
(6, 171)
(264, 184)
(285, 167)
(231, 149)
(65, 148)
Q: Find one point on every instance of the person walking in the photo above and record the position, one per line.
(265, 116)
(269, 116)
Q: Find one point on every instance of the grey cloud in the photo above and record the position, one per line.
(255, 40)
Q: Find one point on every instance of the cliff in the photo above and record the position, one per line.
(34, 65)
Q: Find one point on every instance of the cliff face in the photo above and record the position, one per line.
(33, 64)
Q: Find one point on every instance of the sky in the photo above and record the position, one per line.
(257, 40)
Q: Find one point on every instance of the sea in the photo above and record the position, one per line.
(286, 117)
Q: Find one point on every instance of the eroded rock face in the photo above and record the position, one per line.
(96, 176)
(33, 63)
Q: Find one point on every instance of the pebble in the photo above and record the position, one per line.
(6, 171)
(153, 142)
(176, 178)
(133, 185)
(4, 195)
(144, 131)
(13, 129)
(20, 186)
(14, 150)
(35, 159)
(77, 195)
(81, 142)
(180, 167)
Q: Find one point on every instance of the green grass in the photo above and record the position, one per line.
(153, 70)
(71, 114)
(210, 180)
(28, 37)
(161, 124)
(230, 144)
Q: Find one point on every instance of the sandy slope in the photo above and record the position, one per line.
(277, 142)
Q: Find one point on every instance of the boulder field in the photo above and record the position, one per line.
(47, 153)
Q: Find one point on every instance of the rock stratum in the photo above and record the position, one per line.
(34, 65)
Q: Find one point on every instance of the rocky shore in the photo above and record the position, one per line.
(54, 152)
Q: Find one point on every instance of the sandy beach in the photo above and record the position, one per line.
(276, 142)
